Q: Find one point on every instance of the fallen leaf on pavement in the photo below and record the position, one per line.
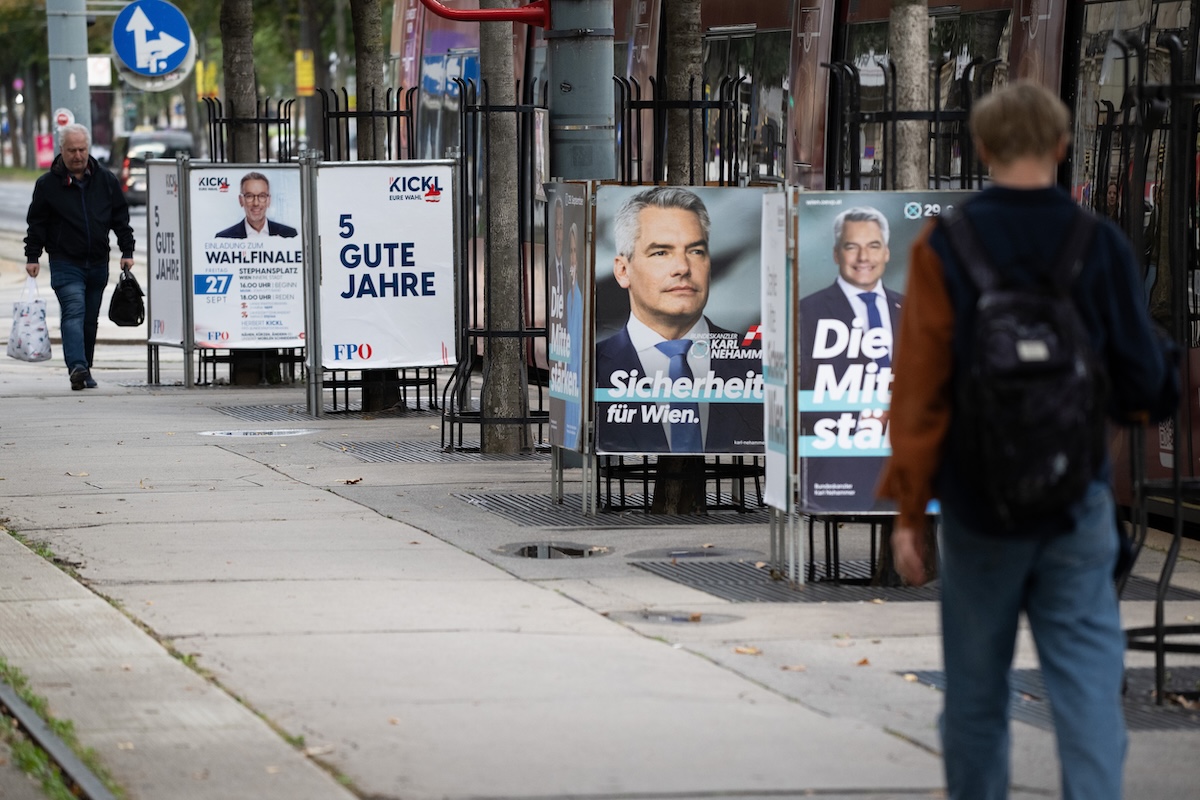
(794, 668)
(318, 750)
(759, 564)
(878, 601)
(124, 745)
(393, 720)
(78, 474)
(866, 662)
(695, 617)
(910, 677)
(707, 546)
(747, 651)
(351, 481)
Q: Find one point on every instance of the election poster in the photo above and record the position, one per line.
(852, 252)
(778, 350)
(569, 278)
(164, 284)
(247, 256)
(387, 265)
(678, 356)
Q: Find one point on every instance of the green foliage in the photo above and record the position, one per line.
(31, 759)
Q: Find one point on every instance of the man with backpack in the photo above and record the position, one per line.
(1023, 319)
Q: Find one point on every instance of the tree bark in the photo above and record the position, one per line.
(908, 48)
(367, 21)
(241, 92)
(679, 481)
(681, 78)
(505, 392)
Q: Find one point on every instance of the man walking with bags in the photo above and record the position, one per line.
(74, 207)
(1039, 539)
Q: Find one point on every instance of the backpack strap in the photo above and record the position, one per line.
(972, 255)
(965, 242)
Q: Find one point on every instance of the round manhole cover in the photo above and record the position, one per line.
(542, 550)
(272, 432)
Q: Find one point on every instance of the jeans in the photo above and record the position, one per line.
(80, 292)
(1064, 585)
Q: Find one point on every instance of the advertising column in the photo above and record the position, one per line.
(678, 309)
(247, 256)
(853, 250)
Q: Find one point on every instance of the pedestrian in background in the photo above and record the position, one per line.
(1057, 567)
(74, 207)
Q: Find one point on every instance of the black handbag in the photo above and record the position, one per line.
(126, 307)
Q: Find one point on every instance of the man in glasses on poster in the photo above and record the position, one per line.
(255, 197)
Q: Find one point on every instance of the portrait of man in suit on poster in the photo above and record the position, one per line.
(254, 196)
(846, 335)
(681, 384)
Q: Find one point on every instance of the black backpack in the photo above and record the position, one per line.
(126, 307)
(1032, 398)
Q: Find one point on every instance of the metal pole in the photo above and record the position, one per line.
(66, 29)
(314, 390)
(582, 115)
(183, 173)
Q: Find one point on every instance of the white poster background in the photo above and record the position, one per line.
(247, 293)
(776, 349)
(387, 265)
(164, 289)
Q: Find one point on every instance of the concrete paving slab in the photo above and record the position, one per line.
(580, 717)
(159, 727)
(242, 608)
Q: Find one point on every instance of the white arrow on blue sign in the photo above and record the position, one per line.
(152, 37)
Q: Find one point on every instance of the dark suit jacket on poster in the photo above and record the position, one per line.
(858, 473)
(238, 230)
(728, 423)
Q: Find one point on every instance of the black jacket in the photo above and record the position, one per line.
(70, 219)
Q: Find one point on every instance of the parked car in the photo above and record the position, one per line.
(129, 154)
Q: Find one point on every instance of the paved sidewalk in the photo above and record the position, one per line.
(353, 627)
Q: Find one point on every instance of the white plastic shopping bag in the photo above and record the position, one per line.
(30, 336)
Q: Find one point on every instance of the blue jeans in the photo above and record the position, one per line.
(1064, 584)
(80, 292)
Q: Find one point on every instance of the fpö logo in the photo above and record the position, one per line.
(352, 352)
(212, 183)
(159, 326)
(415, 187)
(217, 336)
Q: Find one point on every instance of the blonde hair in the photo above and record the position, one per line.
(1022, 119)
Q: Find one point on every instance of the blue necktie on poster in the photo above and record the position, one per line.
(685, 436)
(875, 321)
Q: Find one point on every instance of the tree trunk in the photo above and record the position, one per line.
(679, 483)
(908, 48)
(241, 95)
(682, 77)
(367, 20)
(505, 392)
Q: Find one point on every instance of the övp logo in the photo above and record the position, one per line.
(415, 187)
(213, 183)
(352, 352)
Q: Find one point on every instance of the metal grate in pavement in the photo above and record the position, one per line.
(537, 510)
(420, 452)
(281, 413)
(1030, 703)
(743, 582)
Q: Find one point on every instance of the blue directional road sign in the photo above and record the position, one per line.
(151, 37)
